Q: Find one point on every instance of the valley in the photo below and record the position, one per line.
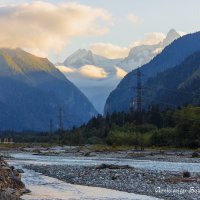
(99, 100)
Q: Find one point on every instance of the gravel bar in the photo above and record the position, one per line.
(164, 185)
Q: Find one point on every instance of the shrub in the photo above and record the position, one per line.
(186, 174)
(121, 138)
(195, 155)
(94, 140)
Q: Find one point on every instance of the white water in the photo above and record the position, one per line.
(46, 188)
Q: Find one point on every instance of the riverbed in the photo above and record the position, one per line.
(74, 177)
(28, 158)
(48, 188)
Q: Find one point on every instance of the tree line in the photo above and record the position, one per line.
(169, 127)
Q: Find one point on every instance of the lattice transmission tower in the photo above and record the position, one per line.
(138, 109)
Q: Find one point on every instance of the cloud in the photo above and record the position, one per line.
(150, 39)
(89, 71)
(65, 69)
(109, 50)
(113, 51)
(182, 33)
(92, 71)
(158, 50)
(120, 72)
(41, 27)
(134, 19)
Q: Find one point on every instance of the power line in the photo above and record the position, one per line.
(138, 102)
(174, 90)
(139, 88)
(50, 126)
(169, 89)
(60, 118)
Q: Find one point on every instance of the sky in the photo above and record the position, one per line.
(55, 29)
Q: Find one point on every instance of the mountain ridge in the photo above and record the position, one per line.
(97, 90)
(177, 91)
(32, 96)
(171, 56)
(142, 54)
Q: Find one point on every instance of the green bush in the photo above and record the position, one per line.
(163, 137)
(94, 140)
(121, 138)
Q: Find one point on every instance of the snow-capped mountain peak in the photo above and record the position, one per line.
(171, 36)
(79, 58)
(143, 54)
(84, 64)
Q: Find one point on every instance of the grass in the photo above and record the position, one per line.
(24, 145)
(102, 148)
(97, 148)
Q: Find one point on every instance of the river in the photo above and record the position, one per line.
(27, 158)
(46, 188)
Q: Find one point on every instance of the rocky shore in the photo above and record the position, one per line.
(164, 185)
(186, 156)
(11, 186)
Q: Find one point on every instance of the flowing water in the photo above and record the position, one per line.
(27, 158)
(46, 188)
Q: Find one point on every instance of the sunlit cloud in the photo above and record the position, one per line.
(41, 27)
(89, 71)
(150, 39)
(92, 71)
(134, 19)
(65, 69)
(182, 33)
(120, 72)
(109, 50)
(112, 51)
(158, 50)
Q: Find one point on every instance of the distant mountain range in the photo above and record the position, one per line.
(143, 54)
(176, 79)
(94, 75)
(33, 91)
(83, 66)
(84, 57)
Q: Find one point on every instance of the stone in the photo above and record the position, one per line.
(21, 171)
(111, 166)
(115, 176)
(11, 186)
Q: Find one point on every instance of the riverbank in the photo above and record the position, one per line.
(103, 151)
(161, 184)
(98, 151)
(11, 186)
(77, 165)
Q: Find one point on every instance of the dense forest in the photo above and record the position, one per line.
(169, 127)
